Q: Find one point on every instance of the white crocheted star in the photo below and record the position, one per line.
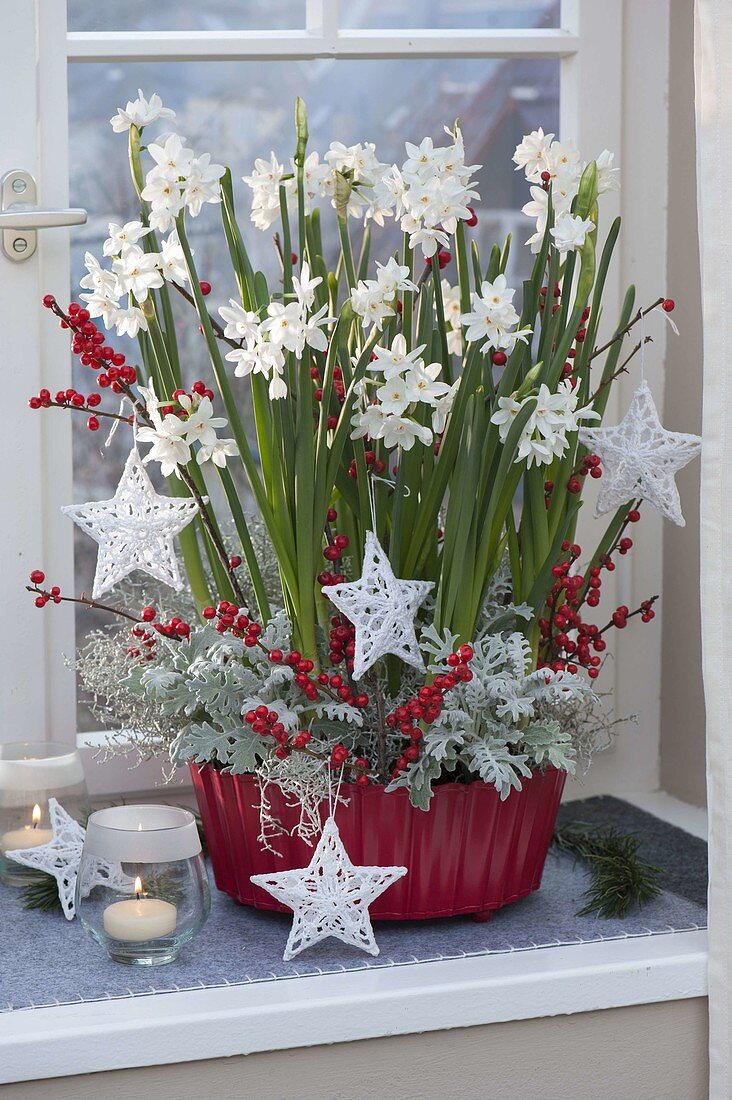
(381, 608)
(329, 897)
(135, 529)
(61, 858)
(640, 458)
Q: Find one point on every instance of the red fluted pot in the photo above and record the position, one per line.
(471, 853)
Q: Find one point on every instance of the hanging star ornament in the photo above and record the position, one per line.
(640, 458)
(329, 897)
(382, 609)
(135, 529)
(61, 858)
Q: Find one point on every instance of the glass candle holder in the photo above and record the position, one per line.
(142, 891)
(31, 772)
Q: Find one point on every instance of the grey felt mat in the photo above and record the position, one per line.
(46, 960)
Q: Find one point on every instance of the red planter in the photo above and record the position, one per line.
(471, 853)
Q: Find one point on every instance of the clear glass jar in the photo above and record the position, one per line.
(31, 772)
(142, 891)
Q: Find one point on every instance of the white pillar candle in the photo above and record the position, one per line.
(139, 918)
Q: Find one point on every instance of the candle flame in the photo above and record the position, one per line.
(138, 885)
(36, 815)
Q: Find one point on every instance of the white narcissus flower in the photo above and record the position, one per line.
(217, 452)
(202, 184)
(165, 200)
(98, 279)
(265, 183)
(442, 408)
(130, 321)
(505, 414)
(422, 385)
(393, 276)
(396, 359)
(200, 423)
(305, 286)
(570, 231)
(530, 153)
(399, 431)
(173, 158)
(101, 306)
(313, 329)
(393, 396)
(284, 326)
(137, 272)
(607, 175)
(172, 259)
(493, 317)
(169, 448)
(241, 324)
(122, 235)
(140, 112)
(369, 421)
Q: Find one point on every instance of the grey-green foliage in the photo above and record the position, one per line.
(491, 725)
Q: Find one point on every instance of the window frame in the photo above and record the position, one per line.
(601, 57)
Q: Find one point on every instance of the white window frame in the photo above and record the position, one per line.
(612, 94)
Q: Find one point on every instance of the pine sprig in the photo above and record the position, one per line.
(619, 878)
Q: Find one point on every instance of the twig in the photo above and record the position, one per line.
(85, 601)
(622, 369)
(624, 331)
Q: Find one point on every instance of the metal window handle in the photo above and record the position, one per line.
(20, 218)
(24, 216)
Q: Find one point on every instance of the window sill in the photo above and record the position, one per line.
(264, 1016)
(335, 1008)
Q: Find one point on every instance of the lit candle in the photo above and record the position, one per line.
(28, 837)
(139, 919)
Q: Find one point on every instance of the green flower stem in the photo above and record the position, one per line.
(440, 310)
(346, 251)
(273, 526)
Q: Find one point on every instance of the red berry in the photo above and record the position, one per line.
(92, 424)
(443, 258)
(48, 300)
(293, 257)
(499, 358)
(34, 402)
(633, 515)
(147, 614)
(473, 219)
(234, 561)
(331, 515)
(546, 176)
(205, 288)
(209, 612)
(668, 305)
(41, 601)
(574, 485)
(37, 576)
(331, 553)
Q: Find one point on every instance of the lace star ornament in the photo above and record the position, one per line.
(329, 897)
(382, 609)
(61, 858)
(640, 458)
(135, 529)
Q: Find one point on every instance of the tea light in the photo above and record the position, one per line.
(28, 837)
(31, 772)
(158, 849)
(141, 918)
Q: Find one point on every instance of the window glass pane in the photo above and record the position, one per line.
(186, 15)
(238, 111)
(489, 14)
